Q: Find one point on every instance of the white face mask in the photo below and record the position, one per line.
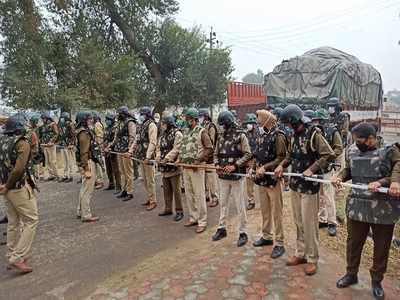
(157, 120)
(141, 119)
(261, 130)
(221, 128)
(201, 120)
(250, 127)
(331, 109)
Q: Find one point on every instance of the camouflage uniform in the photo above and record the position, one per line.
(67, 143)
(232, 149)
(307, 150)
(252, 137)
(367, 210)
(168, 148)
(99, 137)
(211, 175)
(111, 159)
(196, 148)
(48, 134)
(270, 151)
(20, 199)
(147, 143)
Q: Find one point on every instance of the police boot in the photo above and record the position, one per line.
(242, 239)
(122, 195)
(219, 235)
(377, 290)
(4, 220)
(332, 229)
(346, 281)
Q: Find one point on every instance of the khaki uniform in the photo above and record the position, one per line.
(270, 151)
(99, 136)
(304, 194)
(196, 148)
(232, 148)
(67, 142)
(148, 171)
(211, 175)
(327, 206)
(171, 175)
(21, 206)
(86, 164)
(49, 135)
(125, 142)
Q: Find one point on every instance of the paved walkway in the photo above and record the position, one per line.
(205, 270)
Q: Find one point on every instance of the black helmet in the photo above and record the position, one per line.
(169, 120)
(334, 106)
(123, 110)
(46, 116)
(83, 116)
(110, 117)
(234, 113)
(204, 112)
(309, 114)
(292, 114)
(65, 115)
(15, 124)
(145, 111)
(226, 118)
(278, 112)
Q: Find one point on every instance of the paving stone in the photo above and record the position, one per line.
(234, 292)
(152, 295)
(191, 296)
(239, 280)
(198, 289)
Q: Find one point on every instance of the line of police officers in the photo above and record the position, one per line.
(307, 146)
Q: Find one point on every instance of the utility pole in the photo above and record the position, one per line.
(212, 40)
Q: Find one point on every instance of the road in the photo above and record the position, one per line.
(70, 258)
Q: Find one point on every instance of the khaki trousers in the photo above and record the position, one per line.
(99, 173)
(305, 213)
(271, 203)
(23, 218)
(250, 185)
(86, 193)
(113, 172)
(68, 158)
(172, 190)
(211, 185)
(327, 206)
(148, 173)
(126, 170)
(195, 195)
(232, 190)
(50, 154)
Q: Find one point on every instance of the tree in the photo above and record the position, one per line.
(254, 78)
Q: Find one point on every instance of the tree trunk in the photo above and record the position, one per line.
(152, 67)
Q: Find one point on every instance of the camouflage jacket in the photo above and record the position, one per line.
(47, 133)
(67, 134)
(190, 149)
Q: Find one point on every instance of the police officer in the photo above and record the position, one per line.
(252, 133)
(308, 153)
(271, 148)
(67, 143)
(125, 144)
(111, 159)
(48, 135)
(196, 149)
(98, 129)
(37, 151)
(17, 186)
(231, 154)
(327, 207)
(87, 155)
(366, 164)
(147, 143)
(211, 175)
(168, 148)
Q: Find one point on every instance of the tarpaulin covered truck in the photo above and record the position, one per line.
(311, 79)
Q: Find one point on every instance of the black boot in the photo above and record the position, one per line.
(377, 290)
(128, 197)
(178, 216)
(219, 235)
(263, 242)
(242, 239)
(165, 213)
(122, 195)
(346, 281)
(278, 251)
(4, 220)
(332, 229)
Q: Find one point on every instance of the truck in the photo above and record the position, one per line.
(318, 75)
(245, 98)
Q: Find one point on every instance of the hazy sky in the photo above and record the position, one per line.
(262, 33)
